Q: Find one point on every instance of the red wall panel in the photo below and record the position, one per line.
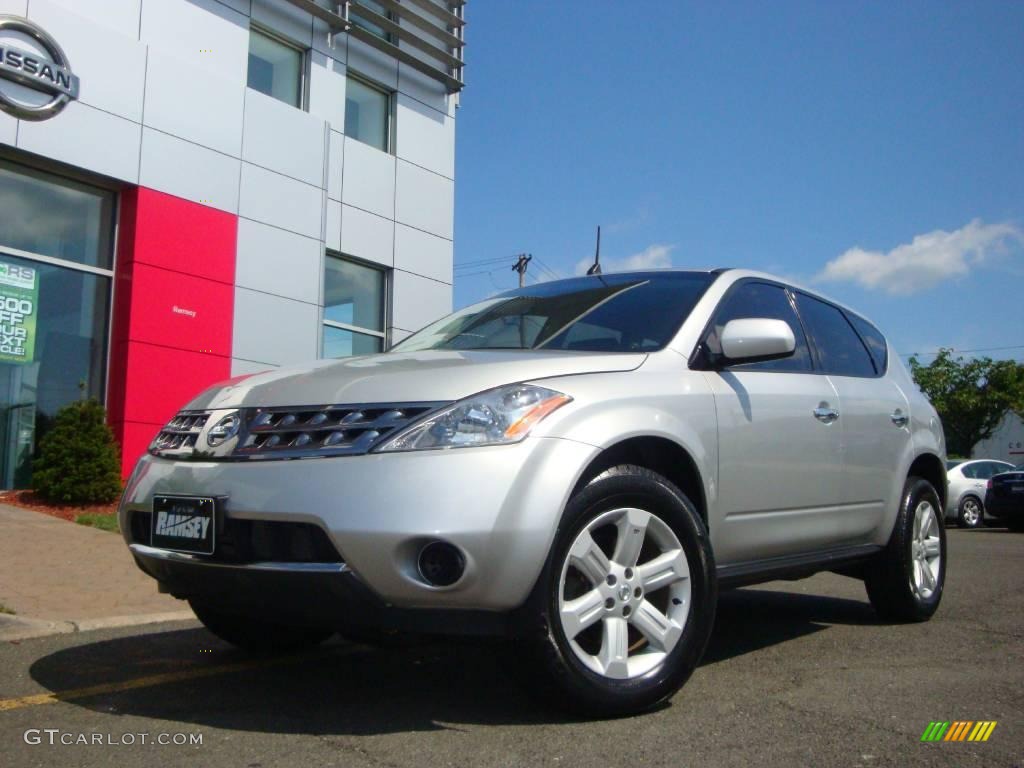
(172, 253)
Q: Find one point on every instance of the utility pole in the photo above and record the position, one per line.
(522, 260)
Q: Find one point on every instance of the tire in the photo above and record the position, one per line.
(971, 513)
(256, 635)
(905, 581)
(646, 625)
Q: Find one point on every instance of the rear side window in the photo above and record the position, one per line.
(840, 349)
(761, 300)
(972, 471)
(874, 340)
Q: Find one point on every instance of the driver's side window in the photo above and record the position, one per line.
(762, 300)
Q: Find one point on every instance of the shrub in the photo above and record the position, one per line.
(78, 460)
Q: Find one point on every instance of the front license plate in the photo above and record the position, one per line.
(184, 523)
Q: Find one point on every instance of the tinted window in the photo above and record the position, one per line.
(840, 349)
(971, 471)
(751, 300)
(874, 340)
(603, 313)
(367, 114)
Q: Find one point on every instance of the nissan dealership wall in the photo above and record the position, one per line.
(196, 189)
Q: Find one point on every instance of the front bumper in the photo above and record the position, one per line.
(499, 505)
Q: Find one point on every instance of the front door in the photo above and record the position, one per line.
(780, 469)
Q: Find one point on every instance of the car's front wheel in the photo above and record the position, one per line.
(971, 513)
(624, 607)
(905, 581)
(257, 635)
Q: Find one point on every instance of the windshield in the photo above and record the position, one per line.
(635, 312)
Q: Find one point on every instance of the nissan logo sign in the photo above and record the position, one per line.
(36, 81)
(223, 430)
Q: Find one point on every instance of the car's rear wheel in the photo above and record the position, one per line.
(971, 513)
(257, 635)
(905, 581)
(623, 609)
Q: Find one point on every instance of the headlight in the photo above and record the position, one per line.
(497, 417)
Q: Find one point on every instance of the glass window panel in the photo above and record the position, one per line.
(275, 68)
(52, 216)
(875, 341)
(63, 349)
(366, 114)
(762, 300)
(840, 349)
(341, 343)
(369, 26)
(354, 294)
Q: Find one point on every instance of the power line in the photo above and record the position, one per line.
(478, 262)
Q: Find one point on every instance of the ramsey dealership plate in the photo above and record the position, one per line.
(184, 523)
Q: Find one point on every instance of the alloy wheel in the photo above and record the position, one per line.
(926, 551)
(972, 513)
(624, 594)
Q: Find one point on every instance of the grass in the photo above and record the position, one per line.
(103, 522)
(5, 609)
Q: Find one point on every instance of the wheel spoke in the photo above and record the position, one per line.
(659, 629)
(589, 559)
(932, 548)
(632, 528)
(929, 577)
(580, 613)
(615, 648)
(665, 569)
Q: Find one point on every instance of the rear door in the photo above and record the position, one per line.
(874, 412)
(780, 466)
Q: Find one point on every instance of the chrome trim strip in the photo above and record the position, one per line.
(168, 556)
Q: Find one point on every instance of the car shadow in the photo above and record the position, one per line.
(343, 688)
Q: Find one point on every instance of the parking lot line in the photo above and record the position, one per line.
(193, 673)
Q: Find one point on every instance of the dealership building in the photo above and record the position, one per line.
(192, 190)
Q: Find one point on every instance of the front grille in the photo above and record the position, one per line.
(333, 429)
(287, 432)
(242, 542)
(181, 433)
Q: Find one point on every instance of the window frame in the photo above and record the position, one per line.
(389, 114)
(385, 304)
(304, 64)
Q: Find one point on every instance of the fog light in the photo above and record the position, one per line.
(441, 564)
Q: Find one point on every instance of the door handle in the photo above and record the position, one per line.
(825, 413)
(899, 418)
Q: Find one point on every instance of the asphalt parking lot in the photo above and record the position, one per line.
(798, 673)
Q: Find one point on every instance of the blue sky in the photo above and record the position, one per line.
(875, 151)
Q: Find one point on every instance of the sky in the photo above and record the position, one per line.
(872, 151)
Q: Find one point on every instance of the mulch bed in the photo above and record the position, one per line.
(29, 500)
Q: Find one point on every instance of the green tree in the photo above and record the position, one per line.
(971, 395)
(78, 460)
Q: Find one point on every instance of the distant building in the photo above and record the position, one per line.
(1006, 443)
(196, 189)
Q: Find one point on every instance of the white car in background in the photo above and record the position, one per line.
(966, 500)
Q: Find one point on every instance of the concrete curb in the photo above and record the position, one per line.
(18, 628)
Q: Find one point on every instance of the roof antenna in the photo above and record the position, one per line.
(595, 268)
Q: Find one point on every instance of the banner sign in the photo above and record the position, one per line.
(19, 306)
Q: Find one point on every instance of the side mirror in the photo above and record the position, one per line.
(755, 339)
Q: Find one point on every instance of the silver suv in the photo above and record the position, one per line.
(580, 465)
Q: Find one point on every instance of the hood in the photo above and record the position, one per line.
(405, 377)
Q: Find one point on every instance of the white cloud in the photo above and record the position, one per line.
(924, 262)
(657, 256)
